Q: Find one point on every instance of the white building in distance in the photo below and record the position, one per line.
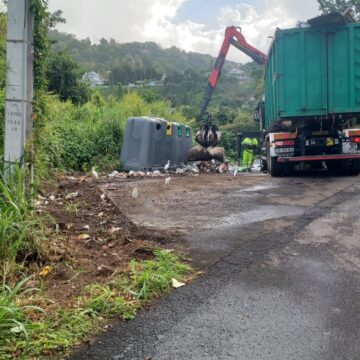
(93, 78)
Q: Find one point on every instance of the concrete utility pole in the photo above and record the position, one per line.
(19, 84)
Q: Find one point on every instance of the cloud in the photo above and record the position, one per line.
(155, 20)
(259, 22)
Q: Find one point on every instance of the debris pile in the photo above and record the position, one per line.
(200, 153)
(192, 168)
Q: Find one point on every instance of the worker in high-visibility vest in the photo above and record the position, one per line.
(249, 145)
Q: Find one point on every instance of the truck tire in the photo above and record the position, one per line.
(289, 169)
(333, 166)
(344, 167)
(264, 166)
(275, 168)
(354, 168)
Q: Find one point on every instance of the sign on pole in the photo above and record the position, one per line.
(19, 83)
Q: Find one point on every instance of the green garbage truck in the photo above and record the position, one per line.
(311, 111)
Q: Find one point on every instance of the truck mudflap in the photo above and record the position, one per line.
(284, 159)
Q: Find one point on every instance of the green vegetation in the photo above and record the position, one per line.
(328, 6)
(182, 77)
(22, 232)
(150, 278)
(63, 328)
(74, 137)
(144, 60)
(77, 127)
(64, 79)
(13, 321)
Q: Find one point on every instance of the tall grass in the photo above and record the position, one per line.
(21, 232)
(12, 316)
(76, 137)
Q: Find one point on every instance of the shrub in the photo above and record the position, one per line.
(22, 233)
(12, 316)
(74, 138)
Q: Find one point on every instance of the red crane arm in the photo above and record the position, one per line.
(233, 36)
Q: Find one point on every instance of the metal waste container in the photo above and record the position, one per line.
(150, 142)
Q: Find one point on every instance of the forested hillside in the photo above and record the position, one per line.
(147, 60)
(184, 75)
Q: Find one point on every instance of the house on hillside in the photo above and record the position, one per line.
(93, 78)
(238, 74)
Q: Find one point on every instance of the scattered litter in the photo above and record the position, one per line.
(176, 284)
(85, 227)
(71, 178)
(45, 271)
(84, 237)
(72, 195)
(115, 229)
(223, 168)
(193, 168)
(256, 167)
(102, 196)
(52, 197)
(113, 174)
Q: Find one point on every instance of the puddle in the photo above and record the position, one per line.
(258, 188)
(260, 214)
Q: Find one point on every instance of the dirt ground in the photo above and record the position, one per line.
(92, 240)
(184, 205)
(98, 227)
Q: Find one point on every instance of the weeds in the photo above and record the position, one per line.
(122, 298)
(153, 277)
(109, 301)
(22, 233)
(72, 208)
(13, 322)
(76, 137)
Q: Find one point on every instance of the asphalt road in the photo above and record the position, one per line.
(282, 280)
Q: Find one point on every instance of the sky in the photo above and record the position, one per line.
(192, 25)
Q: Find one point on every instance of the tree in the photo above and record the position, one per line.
(63, 77)
(328, 6)
(124, 74)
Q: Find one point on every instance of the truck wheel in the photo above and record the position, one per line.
(275, 168)
(333, 166)
(354, 168)
(344, 167)
(288, 169)
(264, 166)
